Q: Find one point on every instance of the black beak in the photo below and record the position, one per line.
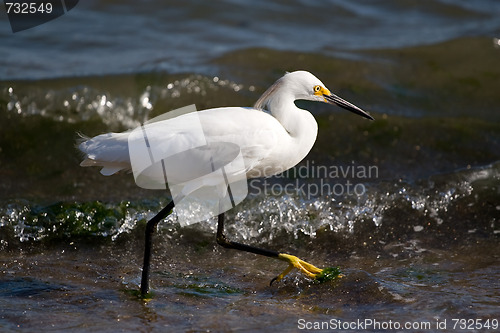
(334, 99)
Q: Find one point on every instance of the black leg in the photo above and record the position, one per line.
(222, 240)
(294, 262)
(150, 228)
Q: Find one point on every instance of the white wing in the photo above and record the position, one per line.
(108, 150)
(254, 131)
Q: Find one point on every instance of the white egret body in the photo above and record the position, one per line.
(273, 136)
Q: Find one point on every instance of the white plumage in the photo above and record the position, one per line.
(273, 136)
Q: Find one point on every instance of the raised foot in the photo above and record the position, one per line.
(313, 272)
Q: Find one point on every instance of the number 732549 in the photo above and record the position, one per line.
(28, 7)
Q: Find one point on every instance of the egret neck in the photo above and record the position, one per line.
(300, 124)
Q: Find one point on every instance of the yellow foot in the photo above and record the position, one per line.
(311, 271)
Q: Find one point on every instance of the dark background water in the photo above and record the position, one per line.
(112, 37)
(420, 244)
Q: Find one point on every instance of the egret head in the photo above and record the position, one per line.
(304, 85)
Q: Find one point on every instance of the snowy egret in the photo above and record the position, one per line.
(273, 136)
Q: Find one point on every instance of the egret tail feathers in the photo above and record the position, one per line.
(109, 151)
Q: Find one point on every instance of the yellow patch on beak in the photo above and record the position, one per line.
(322, 91)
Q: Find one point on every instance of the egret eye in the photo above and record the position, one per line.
(317, 89)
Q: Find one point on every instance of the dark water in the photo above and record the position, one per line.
(408, 207)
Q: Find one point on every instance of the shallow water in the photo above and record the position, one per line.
(408, 206)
